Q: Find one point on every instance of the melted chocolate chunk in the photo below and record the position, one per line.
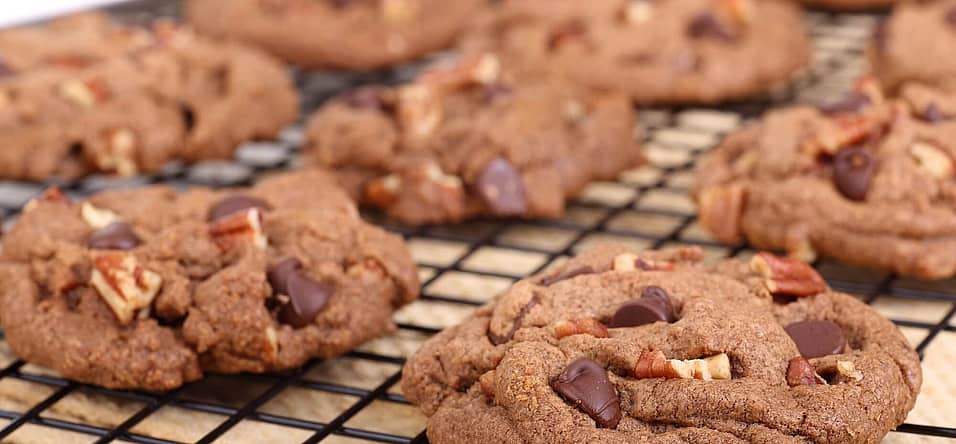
(653, 306)
(234, 204)
(585, 384)
(306, 296)
(497, 339)
(933, 114)
(816, 339)
(115, 236)
(502, 188)
(707, 25)
(368, 98)
(951, 17)
(854, 102)
(567, 274)
(853, 169)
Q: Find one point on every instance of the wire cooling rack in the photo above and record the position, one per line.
(356, 398)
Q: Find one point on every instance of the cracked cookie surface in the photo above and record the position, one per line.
(867, 181)
(687, 51)
(463, 140)
(351, 34)
(149, 288)
(542, 363)
(84, 94)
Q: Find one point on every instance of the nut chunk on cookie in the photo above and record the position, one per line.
(567, 357)
(150, 288)
(463, 140)
(88, 94)
(866, 180)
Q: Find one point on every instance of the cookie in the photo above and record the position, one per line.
(350, 34)
(915, 45)
(622, 347)
(691, 51)
(463, 141)
(83, 95)
(149, 288)
(867, 181)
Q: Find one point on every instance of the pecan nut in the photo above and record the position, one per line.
(787, 275)
(96, 217)
(52, 194)
(239, 227)
(801, 372)
(933, 160)
(586, 326)
(127, 287)
(721, 209)
(653, 364)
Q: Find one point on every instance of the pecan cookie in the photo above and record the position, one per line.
(463, 141)
(866, 181)
(84, 94)
(352, 34)
(916, 43)
(622, 347)
(686, 51)
(149, 288)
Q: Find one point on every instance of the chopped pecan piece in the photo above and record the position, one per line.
(787, 275)
(653, 364)
(587, 326)
(127, 287)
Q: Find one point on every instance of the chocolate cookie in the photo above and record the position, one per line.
(353, 34)
(148, 288)
(866, 181)
(916, 43)
(623, 347)
(463, 141)
(84, 94)
(688, 51)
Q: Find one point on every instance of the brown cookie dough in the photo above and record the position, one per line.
(916, 43)
(84, 94)
(623, 347)
(353, 34)
(464, 141)
(688, 51)
(866, 181)
(148, 288)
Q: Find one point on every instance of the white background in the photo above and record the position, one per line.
(18, 11)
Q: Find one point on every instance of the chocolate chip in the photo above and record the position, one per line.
(6, 70)
(306, 296)
(853, 169)
(585, 384)
(234, 204)
(653, 306)
(784, 299)
(497, 339)
(951, 16)
(933, 114)
(115, 236)
(853, 102)
(816, 339)
(707, 25)
(568, 274)
(494, 92)
(501, 187)
(368, 98)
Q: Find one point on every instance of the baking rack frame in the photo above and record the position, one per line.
(265, 157)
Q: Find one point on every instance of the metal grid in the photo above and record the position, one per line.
(461, 268)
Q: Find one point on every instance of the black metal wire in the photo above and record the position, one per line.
(245, 169)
